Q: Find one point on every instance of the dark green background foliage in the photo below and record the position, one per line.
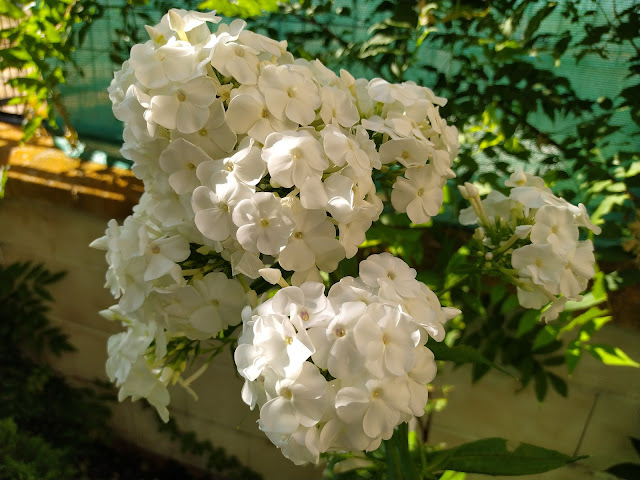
(41, 47)
(50, 429)
(29, 457)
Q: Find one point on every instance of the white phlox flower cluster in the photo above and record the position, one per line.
(550, 262)
(258, 164)
(256, 154)
(341, 371)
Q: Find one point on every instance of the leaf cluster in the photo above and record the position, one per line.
(44, 410)
(40, 48)
(29, 457)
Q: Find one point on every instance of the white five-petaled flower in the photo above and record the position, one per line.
(244, 166)
(386, 338)
(223, 300)
(185, 107)
(386, 266)
(236, 60)
(248, 113)
(419, 193)
(293, 157)
(263, 224)
(555, 225)
(155, 68)
(180, 160)
(290, 93)
(296, 400)
(540, 263)
(215, 137)
(313, 242)
(375, 407)
(213, 208)
(410, 152)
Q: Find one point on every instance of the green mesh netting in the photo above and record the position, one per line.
(90, 109)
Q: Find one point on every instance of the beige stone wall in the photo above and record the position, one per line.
(602, 410)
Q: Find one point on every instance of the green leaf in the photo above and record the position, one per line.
(527, 322)
(572, 356)
(4, 175)
(625, 471)
(537, 19)
(495, 456)
(460, 354)
(611, 355)
(240, 8)
(10, 9)
(451, 475)
(607, 205)
(558, 384)
(540, 384)
(544, 337)
(591, 314)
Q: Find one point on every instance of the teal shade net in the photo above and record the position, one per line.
(88, 104)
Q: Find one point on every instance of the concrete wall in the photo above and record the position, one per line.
(602, 410)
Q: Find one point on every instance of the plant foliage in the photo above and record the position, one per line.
(51, 429)
(40, 47)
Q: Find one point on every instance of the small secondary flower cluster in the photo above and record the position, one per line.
(253, 159)
(340, 372)
(539, 233)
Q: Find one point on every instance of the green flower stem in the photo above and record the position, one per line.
(400, 464)
(195, 271)
(505, 246)
(244, 283)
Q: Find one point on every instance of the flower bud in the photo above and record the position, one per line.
(472, 190)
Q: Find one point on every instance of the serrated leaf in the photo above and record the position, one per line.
(495, 456)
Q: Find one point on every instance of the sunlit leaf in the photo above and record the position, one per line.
(610, 355)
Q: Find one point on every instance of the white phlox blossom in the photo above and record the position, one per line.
(264, 224)
(257, 165)
(551, 263)
(290, 93)
(216, 137)
(376, 368)
(293, 157)
(419, 194)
